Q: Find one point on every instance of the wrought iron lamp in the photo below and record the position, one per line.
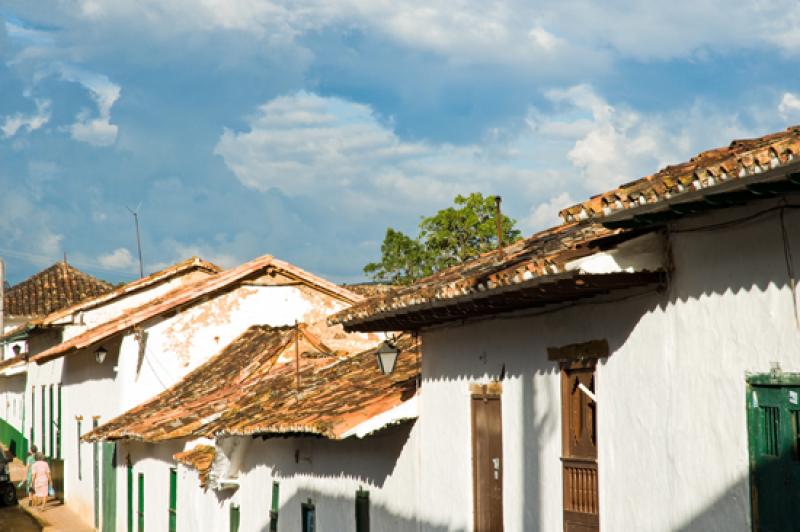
(387, 356)
(100, 354)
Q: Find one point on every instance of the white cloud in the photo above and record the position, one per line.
(304, 144)
(119, 259)
(789, 106)
(307, 145)
(96, 130)
(31, 122)
(470, 30)
(545, 214)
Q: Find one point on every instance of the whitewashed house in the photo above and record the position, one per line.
(124, 361)
(50, 290)
(42, 383)
(286, 426)
(636, 368)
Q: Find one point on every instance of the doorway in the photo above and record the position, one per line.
(579, 446)
(487, 460)
(773, 419)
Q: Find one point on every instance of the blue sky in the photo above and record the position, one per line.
(304, 128)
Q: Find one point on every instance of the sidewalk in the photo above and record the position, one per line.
(55, 517)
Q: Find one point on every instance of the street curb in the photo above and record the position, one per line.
(44, 523)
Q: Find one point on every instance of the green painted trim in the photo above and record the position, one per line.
(13, 439)
(109, 501)
(140, 513)
(52, 423)
(773, 379)
(234, 518)
(58, 436)
(752, 441)
(173, 499)
(33, 415)
(44, 422)
(96, 476)
(273, 513)
(130, 495)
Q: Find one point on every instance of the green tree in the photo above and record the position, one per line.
(451, 236)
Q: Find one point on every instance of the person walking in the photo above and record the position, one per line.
(42, 480)
(29, 460)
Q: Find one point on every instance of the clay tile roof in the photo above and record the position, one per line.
(370, 289)
(541, 256)
(251, 388)
(200, 458)
(707, 170)
(54, 288)
(189, 294)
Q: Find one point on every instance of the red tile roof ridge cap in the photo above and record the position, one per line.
(736, 150)
(316, 280)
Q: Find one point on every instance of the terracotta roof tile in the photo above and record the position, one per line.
(538, 256)
(166, 274)
(52, 289)
(711, 168)
(200, 458)
(251, 388)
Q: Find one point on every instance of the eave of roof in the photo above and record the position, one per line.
(743, 165)
(524, 275)
(247, 390)
(534, 293)
(187, 295)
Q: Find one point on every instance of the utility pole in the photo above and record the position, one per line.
(138, 240)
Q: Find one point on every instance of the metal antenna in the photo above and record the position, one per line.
(135, 214)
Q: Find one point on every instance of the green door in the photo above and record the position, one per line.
(173, 499)
(109, 487)
(773, 426)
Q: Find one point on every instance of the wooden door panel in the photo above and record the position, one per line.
(579, 448)
(487, 463)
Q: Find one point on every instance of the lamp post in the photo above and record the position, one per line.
(387, 356)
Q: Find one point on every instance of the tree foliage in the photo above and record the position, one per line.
(451, 236)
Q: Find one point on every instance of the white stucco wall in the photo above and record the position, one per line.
(671, 398)
(50, 373)
(174, 345)
(85, 320)
(327, 472)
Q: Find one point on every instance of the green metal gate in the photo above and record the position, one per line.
(773, 414)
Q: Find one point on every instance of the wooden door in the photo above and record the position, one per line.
(774, 438)
(579, 447)
(109, 487)
(487, 462)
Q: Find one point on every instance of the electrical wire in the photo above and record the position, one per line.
(44, 259)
